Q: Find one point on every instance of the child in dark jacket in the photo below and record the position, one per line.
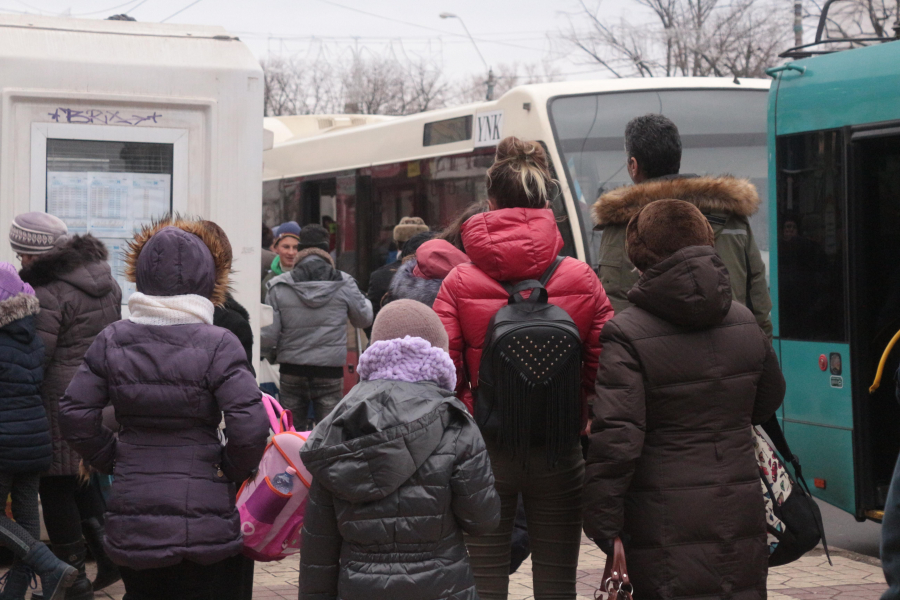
(400, 471)
(25, 448)
(171, 376)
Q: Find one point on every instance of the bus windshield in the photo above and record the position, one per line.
(722, 132)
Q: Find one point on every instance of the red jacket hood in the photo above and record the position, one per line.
(436, 258)
(513, 244)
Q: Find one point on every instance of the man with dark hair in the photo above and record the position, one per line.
(653, 154)
(311, 304)
(653, 147)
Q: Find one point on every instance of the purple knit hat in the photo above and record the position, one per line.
(11, 284)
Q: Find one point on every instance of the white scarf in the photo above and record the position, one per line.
(170, 310)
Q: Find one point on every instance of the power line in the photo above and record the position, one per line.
(178, 12)
(110, 9)
(411, 24)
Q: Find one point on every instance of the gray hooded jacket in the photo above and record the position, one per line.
(399, 472)
(311, 305)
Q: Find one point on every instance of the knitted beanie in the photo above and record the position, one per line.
(288, 229)
(314, 236)
(36, 232)
(11, 284)
(408, 227)
(662, 228)
(405, 317)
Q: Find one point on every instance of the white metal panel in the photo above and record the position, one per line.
(206, 84)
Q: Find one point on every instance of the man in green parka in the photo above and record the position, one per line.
(653, 149)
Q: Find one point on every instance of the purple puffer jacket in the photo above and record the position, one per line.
(174, 488)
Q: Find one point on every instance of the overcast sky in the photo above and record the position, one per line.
(506, 31)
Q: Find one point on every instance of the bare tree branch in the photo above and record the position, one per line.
(687, 38)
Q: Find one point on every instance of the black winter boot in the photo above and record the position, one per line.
(107, 571)
(56, 576)
(74, 554)
(17, 581)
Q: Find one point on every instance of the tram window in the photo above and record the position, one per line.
(722, 131)
(447, 131)
(811, 224)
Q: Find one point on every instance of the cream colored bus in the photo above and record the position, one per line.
(366, 172)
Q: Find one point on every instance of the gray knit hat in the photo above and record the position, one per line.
(36, 233)
(406, 317)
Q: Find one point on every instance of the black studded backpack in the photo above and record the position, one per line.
(529, 381)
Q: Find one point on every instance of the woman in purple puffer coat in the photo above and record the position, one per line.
(170, 376)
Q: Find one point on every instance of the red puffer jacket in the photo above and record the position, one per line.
(515, 244)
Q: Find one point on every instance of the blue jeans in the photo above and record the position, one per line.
(297, 393)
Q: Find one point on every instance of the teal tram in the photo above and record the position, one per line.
(834, 230)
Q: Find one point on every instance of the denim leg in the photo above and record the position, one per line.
(294, 396)
(325, 395)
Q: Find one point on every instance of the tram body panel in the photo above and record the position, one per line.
(834, 154)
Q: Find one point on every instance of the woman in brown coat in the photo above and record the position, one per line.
(683, 375)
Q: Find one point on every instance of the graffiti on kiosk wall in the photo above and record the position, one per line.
(96, 116)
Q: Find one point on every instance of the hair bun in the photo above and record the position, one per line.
(512, 148)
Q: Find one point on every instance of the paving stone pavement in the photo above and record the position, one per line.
(853, 577)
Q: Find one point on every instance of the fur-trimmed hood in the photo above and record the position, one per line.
(405, 284)
(710, 194)
(80, 261)
(18, 307)
(216, 246)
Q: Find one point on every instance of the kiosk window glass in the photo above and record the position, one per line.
(109, 189)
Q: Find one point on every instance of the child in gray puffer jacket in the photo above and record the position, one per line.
(400, 471)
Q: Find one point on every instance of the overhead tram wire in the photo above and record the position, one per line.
(110, 9)
(411, 24)
(178, 12)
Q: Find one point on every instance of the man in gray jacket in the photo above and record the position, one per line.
(311, 305)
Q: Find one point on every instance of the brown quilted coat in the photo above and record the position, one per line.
(79, 298)
(671, 464)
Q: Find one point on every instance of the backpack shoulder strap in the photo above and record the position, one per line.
(528, 284)
(551, 270)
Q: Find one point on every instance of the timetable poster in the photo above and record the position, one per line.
(110, 206)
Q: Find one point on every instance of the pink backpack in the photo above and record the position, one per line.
(272, 503)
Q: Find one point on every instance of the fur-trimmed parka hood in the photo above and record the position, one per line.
(18, 307)
(80, 261)
(724, 194)
(406, 284)
(185, 266)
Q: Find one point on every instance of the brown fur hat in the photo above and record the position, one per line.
(662, 228)
(220, 253)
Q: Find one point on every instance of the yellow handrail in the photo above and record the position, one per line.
(875, 384)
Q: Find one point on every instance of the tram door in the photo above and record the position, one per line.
(873, 185)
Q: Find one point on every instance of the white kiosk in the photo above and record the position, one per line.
(108, 124)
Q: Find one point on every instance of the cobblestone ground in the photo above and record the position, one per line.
(853, 577)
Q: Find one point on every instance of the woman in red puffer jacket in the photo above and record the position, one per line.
(517, 240)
